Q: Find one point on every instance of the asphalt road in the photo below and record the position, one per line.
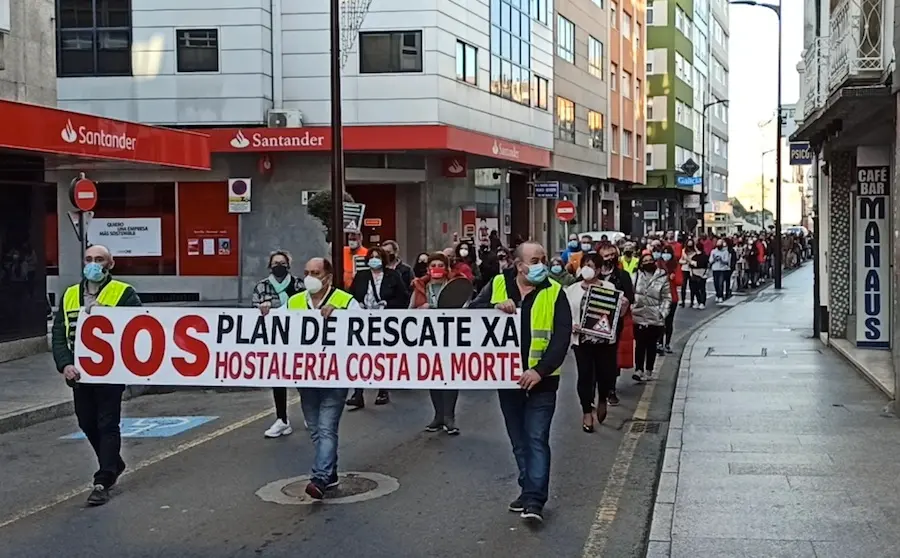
(194, 495)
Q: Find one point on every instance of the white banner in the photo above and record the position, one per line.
(128, 237)
(393, 349)
(873, 257)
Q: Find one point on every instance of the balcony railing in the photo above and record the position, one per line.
(814, 82)
(861, 40)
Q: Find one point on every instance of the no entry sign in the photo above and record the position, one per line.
(565, 210)
(84, 194)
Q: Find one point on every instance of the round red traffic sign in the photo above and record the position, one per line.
(84, 194)
(565, 210)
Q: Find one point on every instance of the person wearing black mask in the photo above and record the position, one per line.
(392, 251)
(420, 268)
(274, 292)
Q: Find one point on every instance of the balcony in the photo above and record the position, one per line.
(861, 37)
(814, 81)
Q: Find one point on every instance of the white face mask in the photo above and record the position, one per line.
(353, 244)
(312, 284)
(588, 273)
(464, 253)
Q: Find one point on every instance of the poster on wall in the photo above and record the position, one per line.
(131, 237)
(238, 195)
(224, 246)
(193, 247)
(873, 257)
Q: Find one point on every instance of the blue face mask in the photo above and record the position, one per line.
(537, 273)
(375, 263)
(666, 256)
(94, 272)
(557, 269)
(586, 247)
(656, 255)
(573, 244)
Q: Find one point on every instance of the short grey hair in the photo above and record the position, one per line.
(285, 253)
(518, 252)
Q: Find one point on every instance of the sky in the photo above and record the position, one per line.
(753, 56)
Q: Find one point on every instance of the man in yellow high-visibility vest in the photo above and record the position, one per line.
(546, 329)
(97, 406)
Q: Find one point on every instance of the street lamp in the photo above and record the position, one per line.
(778, 255)
(703, 187)
(337, 147)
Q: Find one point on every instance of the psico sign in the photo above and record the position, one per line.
(801, 153)
(873, 257)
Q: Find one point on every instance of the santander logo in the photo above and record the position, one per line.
(290, 138)
(101, 138)
(500, 150)
(240, 141)
(455, 167)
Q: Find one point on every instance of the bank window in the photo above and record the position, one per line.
(595, 57)
(390, 52)
(93, 38)
(565, 119)
(540, 92)
(511, 50)
(565, 39)
(466, 63)
(197, 50)
(595, 127)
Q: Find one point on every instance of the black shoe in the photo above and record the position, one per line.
(533, 513)
(383, 398)
(435, 425)
(315, 489)
(334, 481)
(99, 495)
(668, 350)
(612, 399)
(450, 427)
(517, 506)
(638, 376)
(660, 351)
(356, 402)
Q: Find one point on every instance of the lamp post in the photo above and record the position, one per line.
(703, 187)
(778, 255)
(337, 148)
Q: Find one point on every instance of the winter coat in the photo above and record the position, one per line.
(652, 298)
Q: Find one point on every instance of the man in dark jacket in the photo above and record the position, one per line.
(546, 329)
(392, 249)
(97, 406)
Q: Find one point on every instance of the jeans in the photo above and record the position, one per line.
(719, 278)
(99, 411)
(528, 417)
(322, 408)
(597, 372)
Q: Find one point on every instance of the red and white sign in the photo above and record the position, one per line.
(29, 127)
(84, 194)
(454, 167)
(279, 139)
(372, 222)
(393, 349)
(565, 210)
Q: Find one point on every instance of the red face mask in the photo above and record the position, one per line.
(437, 272)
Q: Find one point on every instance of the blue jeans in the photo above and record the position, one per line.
(528, 418)
(322, 409)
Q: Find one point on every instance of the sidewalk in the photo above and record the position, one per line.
(776, 446)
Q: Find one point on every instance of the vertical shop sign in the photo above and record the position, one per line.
(873, 257)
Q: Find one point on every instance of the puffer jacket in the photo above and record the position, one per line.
(652, 298)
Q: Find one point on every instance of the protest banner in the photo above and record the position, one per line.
(391, 349)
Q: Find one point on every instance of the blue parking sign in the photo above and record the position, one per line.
(152, 427)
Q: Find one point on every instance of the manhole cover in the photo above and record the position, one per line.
(646, 427)
(354, 487)
(712, 352)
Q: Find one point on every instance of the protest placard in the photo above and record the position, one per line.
(391, 349)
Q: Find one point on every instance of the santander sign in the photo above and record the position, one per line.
(97, 138)
(259, 140)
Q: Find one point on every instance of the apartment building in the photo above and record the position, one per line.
(687, 74)
(447, 115)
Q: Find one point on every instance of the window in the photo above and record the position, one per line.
(683, 114)
(613, 76)
(683, 69)
(682, 22)
(648, 159)
(613, 16)
(565, 39)
(93, 38)
(599, 3)
(511, 49)
(638, 146)
(198, 50)
(650, 67)
(614, 139)
(466, 63)
(542, 10)
(390, 52)
(637, 90)
(540, 93)
(626, 25)
(595, 126)
(649, 14)
(626, 143)
(626, 84)
(650, 109)
(565, 119)
(595, 57)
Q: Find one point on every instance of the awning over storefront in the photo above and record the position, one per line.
(35, 128)
(375, 138)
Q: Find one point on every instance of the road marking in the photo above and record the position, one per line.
(181, 448)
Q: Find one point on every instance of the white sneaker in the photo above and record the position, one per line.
(701, 306)
(278, 429)
(718, 299)
(695, 306)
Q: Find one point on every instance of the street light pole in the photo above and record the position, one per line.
(704, 189)
(337, 149)
(778, 254)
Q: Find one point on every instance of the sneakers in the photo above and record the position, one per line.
(638, 376)
(99, 495)
(668, 349)
(279, 428)
(517, 506)
(435, 425)
(356, 402)
(383, 398)
(334, 481)
(695, 306)
(450, 427)
(316, 489)
(533, 513)
(718, 300)
(701, 306)
(612, 399)
(648, 376)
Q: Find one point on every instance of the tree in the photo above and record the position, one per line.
(320, 206)
(750, 216)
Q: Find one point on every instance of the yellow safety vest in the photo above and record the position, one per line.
(110, 295)
(630, 266)
(542, 312)
(339, 299)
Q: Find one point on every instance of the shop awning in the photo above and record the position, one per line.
(35, 128)
(436, 138)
